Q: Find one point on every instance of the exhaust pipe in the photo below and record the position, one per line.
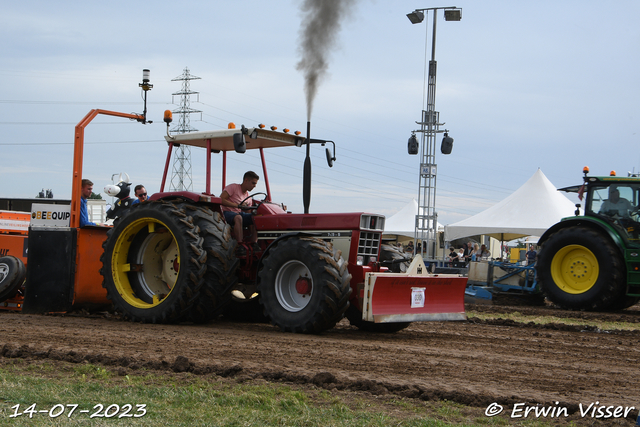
(306, 175)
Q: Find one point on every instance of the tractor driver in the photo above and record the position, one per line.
(232, 196)
(615, 205)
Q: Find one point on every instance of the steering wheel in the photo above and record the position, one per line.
(250, 196)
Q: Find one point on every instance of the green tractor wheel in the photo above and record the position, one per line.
(154, 263)
(580, 268)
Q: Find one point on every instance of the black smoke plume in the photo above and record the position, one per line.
(320, 26)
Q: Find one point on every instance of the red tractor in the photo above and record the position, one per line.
(174, 258)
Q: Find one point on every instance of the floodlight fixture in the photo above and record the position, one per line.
(415, 17)
(452, 14)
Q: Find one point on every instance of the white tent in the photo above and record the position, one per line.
(403, 222)
(529, 211)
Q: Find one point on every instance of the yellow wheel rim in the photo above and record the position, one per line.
(575, 269)
(156, 263)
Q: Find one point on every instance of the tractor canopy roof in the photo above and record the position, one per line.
(601, 180)
(612, 179)
(222, 140)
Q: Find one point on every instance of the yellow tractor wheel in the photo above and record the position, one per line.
(154, 263)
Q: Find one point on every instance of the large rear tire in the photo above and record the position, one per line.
(12, 274)
(304, 285)
(154, 263)
(222, 263)
(581, 269)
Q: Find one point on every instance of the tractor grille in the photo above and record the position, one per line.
(368, 245)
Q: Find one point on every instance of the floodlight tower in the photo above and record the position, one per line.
(181, 173)
(427, 218)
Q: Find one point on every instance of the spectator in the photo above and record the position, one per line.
(484, 252)
(85, 193)
(531, 256)
(468, 250)
(452, 254)
(140, 193)
(475, 252)
(409, 247)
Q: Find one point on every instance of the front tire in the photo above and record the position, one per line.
(581, 269)
(154, 263)
(304, 285)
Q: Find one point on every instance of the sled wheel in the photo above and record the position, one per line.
(12, 274)
(153, 263)
(304, 285)
(354, 315)
(222, 263)
(580, 268)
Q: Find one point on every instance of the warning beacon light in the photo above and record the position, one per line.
(146, 87)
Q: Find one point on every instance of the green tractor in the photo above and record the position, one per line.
(592, 262)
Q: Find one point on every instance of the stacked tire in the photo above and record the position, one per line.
(12, 275)
(221, 263)
(168, 261)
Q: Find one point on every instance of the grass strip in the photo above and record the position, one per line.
(544, 320)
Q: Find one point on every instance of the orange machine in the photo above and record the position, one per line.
(64, 262)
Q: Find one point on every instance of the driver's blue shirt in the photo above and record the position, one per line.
(84, 213)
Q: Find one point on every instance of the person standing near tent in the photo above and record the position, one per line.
(531, 256)
(409, 247)
(468, 250)
(484, 252)
(452, 254)
(475, 252)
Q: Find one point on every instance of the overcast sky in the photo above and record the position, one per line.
(521, 86)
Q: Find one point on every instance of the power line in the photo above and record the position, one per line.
(23, 102)
(17, 144)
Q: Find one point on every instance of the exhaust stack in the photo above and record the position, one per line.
(306, 173)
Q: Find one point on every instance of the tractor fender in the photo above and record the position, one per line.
(594, 223)
(187, 196)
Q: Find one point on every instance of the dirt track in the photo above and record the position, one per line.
(474, 363)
